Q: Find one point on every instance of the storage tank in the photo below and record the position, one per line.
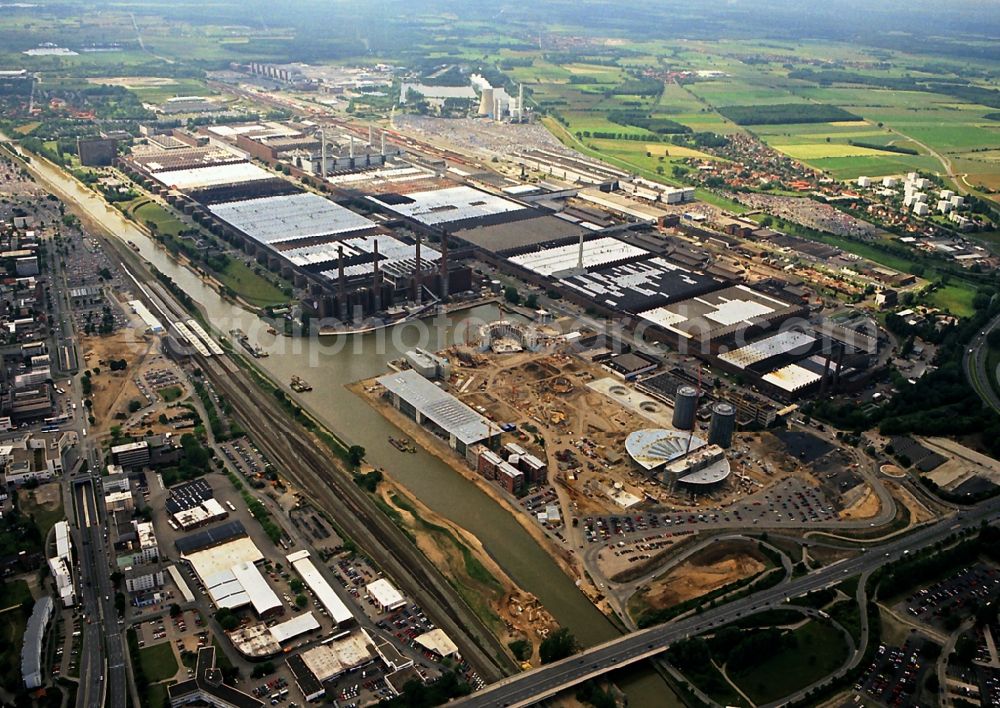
(723, 425)
(685, 407)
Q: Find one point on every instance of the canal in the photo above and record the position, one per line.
(329, 364)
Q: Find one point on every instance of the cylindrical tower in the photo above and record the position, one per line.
(685, 407)
(723, 425)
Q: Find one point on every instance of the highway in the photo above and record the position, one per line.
(533, 686)
(974, 363)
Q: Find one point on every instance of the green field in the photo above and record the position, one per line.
(255, 289)
(158, 662)
(820, 649)
(165, 222)
(956, 299)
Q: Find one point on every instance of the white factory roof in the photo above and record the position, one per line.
(655, 447)
(329, 660)
(438, 642)
(715, 311)
(242, 585)
(441, 408)
(289, 217)
(294, 627)
(792, 378)
(147, 317)
(441, 206)
(311, 576)
(385, 593)
(214, 175)
(600, 251)
(219, 559)
(763, 349)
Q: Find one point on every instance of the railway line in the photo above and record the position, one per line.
(304, 460)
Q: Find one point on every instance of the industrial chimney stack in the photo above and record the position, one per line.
(342, 282)
(417, 296)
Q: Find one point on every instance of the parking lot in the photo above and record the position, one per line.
(896, 674)
(788, 502)
(932, 604)
(245, 457)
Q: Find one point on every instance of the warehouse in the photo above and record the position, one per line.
(231, 579)
(758, 355)
(290, 218)
(448, 206)
(534, 228)
(792, 379)
(199, 177)
(385, 595)
(340, 614)
(328, 661)
(721, 314)
(601, 251)
(421, 400)
(641, 285)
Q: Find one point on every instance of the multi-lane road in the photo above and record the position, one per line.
(533, 686)
(974, 363)
(103, 659)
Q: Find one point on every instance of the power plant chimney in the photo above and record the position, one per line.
(352, 150)
(377, 282)
(444, 267)
(342, 282)
(322, 153)
(579, 257)
(383, 144)
(417, 296)
(520, 101)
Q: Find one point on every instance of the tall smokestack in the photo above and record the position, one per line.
(579, 257)
(444, 267)
(383, 143)
(377, 278)
(352, 151)
(322, 152)
(342, 282)
(417, 296)
(520, 101)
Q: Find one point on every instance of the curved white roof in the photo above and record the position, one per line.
(654, 447)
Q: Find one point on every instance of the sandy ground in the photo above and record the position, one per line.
(112, 391)
(702, 573)
(963, 464)
(864, 506)
(521, 615)
(918, 512)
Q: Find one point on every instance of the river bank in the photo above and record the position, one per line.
(426, 477)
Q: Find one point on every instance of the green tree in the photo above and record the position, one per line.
(557, 645)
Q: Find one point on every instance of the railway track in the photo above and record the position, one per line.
(309, 464)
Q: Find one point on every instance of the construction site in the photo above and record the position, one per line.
(582, 421)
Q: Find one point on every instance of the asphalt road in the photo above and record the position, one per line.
(532, 686)
(103, 658)
(974, 363)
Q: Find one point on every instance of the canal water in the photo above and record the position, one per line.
(329, 364)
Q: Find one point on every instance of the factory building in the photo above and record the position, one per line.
(442, 413)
